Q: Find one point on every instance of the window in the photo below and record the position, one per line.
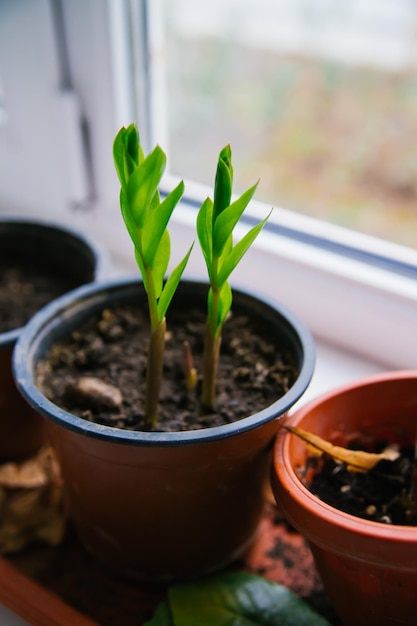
(86, 67)
(269, 76)
(318, 97)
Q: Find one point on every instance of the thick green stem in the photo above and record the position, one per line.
(212, 341)
(210, 366)
(155, 355)
(154, 373)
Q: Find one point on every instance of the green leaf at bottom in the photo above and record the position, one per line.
(237, 600)
(162, 616)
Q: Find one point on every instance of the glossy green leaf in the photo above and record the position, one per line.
(204, 231)
(223, 307)
(128, 219)
(160, 263)
(171, 285)
(225, 304)
(223, 182)
(162, 616)
(238, 252)
(228, 219)
(157, 222)
(142, 186)
(235, 599)
(126, 152)
(119, 157)
(141, 269)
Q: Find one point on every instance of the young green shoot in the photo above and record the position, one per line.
(216, 221)
(146, 218)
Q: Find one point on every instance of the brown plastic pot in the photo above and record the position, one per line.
(369, 569)
(80, 261)
(160, 506)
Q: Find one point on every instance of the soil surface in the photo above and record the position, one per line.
(379, 494)
(99, 372)
(25, 287)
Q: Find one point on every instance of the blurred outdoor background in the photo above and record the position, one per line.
(318, 99)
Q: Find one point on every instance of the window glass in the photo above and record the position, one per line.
(3, 115)
(317, 98)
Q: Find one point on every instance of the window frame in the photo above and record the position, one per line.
(354, 291)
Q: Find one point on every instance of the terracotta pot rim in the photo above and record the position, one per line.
(27, 343)
(9, 338)
(330, 516)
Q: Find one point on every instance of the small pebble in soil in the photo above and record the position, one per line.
(94, 392)
(370, 510)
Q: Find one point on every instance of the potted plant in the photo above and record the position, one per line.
(38, 262)
(369, 568)
(150, 502)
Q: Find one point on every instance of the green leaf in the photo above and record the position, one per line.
(171, 285)
(225, 304)
(160, 263)
(236, 599)
(126, 150)
(157, 222)
(119, 156)
(142, 185)
(218, 317)
(132, 143)
(162, 616)
(204, 231)
(223, 182)
(228, 219)
(128, 219)
(238, 251)
(141, 269)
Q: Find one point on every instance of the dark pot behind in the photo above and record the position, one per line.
(153, 505)
(81, 261)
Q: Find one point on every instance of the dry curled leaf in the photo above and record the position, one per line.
(35, 472)
(356, 460)
(31, 503)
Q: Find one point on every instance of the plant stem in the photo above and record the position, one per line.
(155, 363)
(210, 366)
(212, 341)
(154, 373)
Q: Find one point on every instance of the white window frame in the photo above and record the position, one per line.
(354, 291)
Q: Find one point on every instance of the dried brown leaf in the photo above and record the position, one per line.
(23, 475)
(356, 460)
(31, 503)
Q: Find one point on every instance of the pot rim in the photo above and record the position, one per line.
(43, 319)
(327, 516)
(101, 259)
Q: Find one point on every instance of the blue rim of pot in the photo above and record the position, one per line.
(99, 257)
(30, 346)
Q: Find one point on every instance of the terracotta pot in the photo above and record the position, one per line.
(369, 569)
(80, 261)
(160, 506)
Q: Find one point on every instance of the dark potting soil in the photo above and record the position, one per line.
(253, 372)
(25, 287)
(379, 494)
